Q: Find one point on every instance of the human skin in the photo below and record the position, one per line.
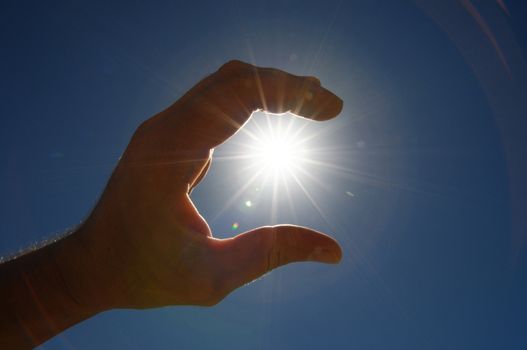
(145, 244)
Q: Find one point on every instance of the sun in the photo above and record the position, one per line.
(276, 161)
(278, 152)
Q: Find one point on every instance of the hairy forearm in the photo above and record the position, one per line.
(36, 301)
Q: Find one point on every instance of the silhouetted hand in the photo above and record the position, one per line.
(150, 244)
(145, 244)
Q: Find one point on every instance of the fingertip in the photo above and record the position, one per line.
(339, 105)
(330, 253)
(316, 246)
(316, 102)
(329, 106)
(332, 107)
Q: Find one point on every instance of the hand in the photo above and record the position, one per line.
(146, 245)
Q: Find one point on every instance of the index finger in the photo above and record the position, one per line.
(220, 104)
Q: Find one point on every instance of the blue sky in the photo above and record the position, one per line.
(431, 143)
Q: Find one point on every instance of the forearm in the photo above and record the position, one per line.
(36, 302)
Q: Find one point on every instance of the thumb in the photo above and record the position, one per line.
(250, 255)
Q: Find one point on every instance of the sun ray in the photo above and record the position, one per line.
(313, 178)
(277, 153)
(274, 202)
(289, 199)
(311, 200)
(236, 196)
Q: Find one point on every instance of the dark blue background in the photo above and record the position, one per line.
(431, 143)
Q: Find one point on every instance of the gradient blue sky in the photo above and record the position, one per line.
(431, 143)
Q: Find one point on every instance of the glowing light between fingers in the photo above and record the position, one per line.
(278, 158)
(278, 153)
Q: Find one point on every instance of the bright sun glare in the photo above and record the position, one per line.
(277, 162)
(276, 150)
(277, 158)
(278, 154)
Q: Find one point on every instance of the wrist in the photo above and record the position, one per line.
(96, 265)
(36, 301)
(70, 261)
(77, 269)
